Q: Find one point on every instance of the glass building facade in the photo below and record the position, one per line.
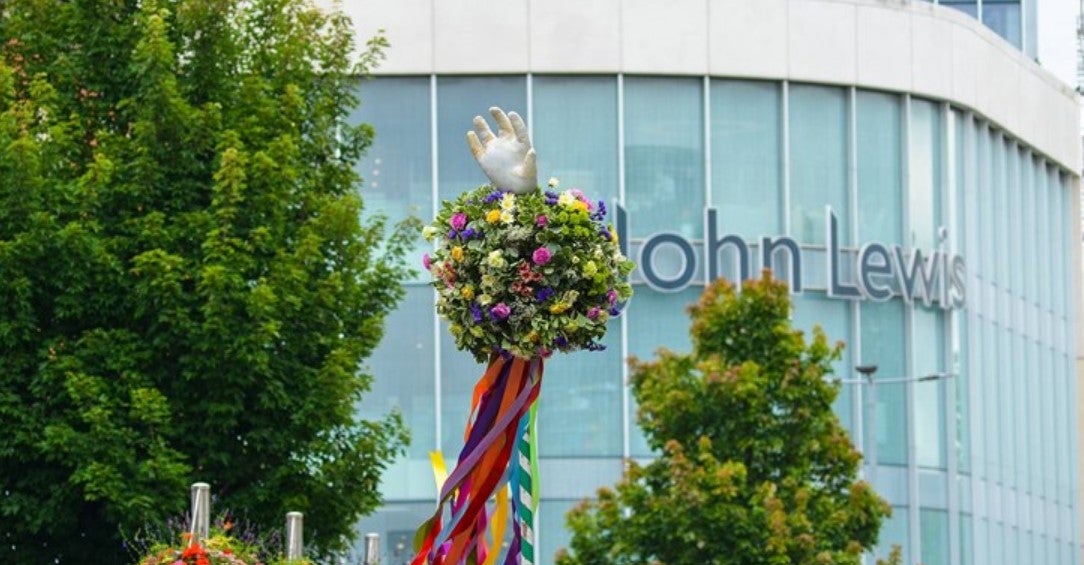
(980, 467)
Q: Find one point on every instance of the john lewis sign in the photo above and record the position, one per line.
(878, 271)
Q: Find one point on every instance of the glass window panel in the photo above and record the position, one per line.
(554, 535)
(579, 412)
(1035, 427)
(999, 170)
(1003, 16)
(963, 404)
(656, 320)
(818, 161)
(1027, 233)
(924, 165)
(966, 540)
(575, 120)
(402, 367)
(834, 317)
(894, 531)
(879, 167)
(968, 7)
(883, 345)
(746, 153)
(396, 171)
(395, 523)
(928, 349)
(459, 100)
(580, 409)
(1015, 218)
(664, 155)
(458, 374)
(984, 259)
(935, 538)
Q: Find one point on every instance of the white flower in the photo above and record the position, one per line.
(566, 198)
(484, 299)
(507, 217)
(429, 232)
(495, 259)
(508, 202)
(553, 182)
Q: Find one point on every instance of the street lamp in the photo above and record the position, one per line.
(869, 397)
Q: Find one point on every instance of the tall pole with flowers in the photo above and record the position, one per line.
(520, 273)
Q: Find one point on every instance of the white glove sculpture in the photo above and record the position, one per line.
(508, 158)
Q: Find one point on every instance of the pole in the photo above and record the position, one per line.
(201, 512)
(294, 539)
(372, 549)
(870, 397)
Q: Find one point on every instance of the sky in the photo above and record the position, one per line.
(1057, 40)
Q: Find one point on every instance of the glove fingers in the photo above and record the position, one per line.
(476, 148)
(504, 125)
(485, 135)
(520, 129)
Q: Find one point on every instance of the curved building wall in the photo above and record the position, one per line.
(980, 468)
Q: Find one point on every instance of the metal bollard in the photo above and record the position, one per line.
(201, 511)
(372, 549)
(294, 535)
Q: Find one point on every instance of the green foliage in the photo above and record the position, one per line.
(186, 289)
(754, 468)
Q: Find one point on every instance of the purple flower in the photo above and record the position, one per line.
(458, 221)
(544, 294)
(615, 311)
(494, 196)
(605, 233)
(595, 346)
(561, 341)
(600, 213)
(611, 295)
(500, 311)
(551, 197)
(450, 234)
(426, 261)
(541, 256)
(593, 313)
(476, 313)
(541, 221)
(467, 234)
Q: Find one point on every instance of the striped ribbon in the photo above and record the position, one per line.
(503, 422)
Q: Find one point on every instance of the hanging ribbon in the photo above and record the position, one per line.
(501, 424)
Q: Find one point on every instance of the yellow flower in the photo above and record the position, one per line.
(493, 216)
(579, 205)
(508, 202)
(558, 308)
(484, 299)
(532, 336)
(495, 259)
(467, 292)
(457, 253)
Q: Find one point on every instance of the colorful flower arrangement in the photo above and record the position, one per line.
(220, 548)
(526, 274)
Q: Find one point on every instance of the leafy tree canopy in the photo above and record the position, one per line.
(186, 289)
(753, 466)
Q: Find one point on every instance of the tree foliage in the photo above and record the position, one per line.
(186, 289)
(753, 466)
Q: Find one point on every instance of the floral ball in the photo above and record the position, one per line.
(526, 274)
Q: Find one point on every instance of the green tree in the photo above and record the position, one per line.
(187, 291)
(753, 466)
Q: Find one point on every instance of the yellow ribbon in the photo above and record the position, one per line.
(500, 514)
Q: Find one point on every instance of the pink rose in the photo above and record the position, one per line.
(593, 313)
(458, 221)
(541, 221)
(541, 256)
(500, 311)
(426, 261)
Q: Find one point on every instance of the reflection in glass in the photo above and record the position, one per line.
(878, 129)
(818, 161)
(834, 317)
(664, 155)
(935, 538)
(746, 156)
(1003, 16)
(928, 352)
(882, 333)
